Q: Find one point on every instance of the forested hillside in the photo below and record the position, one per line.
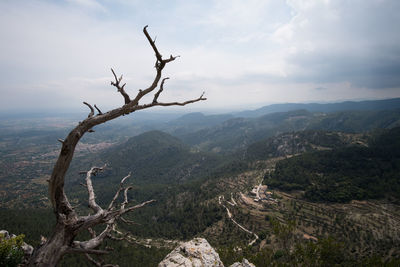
(309, 161)
(343, 174)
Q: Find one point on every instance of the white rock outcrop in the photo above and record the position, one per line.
(244, 263)
(195, 253)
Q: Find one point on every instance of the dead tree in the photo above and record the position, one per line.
(68, 222)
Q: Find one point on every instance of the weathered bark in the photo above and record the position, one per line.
(68, 223)
(50, 253)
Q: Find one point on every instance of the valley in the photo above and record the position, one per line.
(364, 226)
(268, 188)
(367, 227)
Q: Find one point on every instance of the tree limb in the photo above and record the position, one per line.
(160, 90)
(121, 187)
(98, 110)
(128, 221)
(152, 43)
(91, 109)
(92, 198)
(160, 64)
(120, 88)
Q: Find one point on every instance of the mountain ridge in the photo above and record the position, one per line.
(384, 104)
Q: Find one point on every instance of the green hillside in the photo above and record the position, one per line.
(343, 174)
(157, 157)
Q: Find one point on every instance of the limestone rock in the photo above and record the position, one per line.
(244, 263)
(195, 253)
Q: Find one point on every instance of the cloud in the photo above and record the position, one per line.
(240, 52)
(336, 41)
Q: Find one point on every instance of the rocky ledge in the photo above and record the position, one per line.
(197, 253)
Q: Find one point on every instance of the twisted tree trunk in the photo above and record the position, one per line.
(68, 223)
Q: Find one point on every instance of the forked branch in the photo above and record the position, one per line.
(156, 95)
(120, 88)
(91, 109)
(108, 217)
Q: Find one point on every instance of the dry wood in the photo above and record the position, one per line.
(68, 222)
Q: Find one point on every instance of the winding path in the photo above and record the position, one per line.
(233, 220)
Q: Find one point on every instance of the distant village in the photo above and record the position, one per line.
(261, 194)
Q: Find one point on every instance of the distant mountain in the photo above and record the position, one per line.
(371, 105)
(192, 122)
(197, 118)
(300, 142)
(358, 121)
(238, 133)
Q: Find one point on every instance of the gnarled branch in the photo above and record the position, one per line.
(91, 109)
(92, 198)
(160, 90)
(120, 88)
(69, 224)
(110, 207)
(98, 110)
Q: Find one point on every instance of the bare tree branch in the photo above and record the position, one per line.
(110, 207)
(98, 110)
(122, 236)
(145, 106)
(92, 198)
(91, 109)
(96, 263)
(152, 43)
(125, 197)
(160, 64)
(128, 221)
(136, 206)
(108, 216)
(92, 232)
(160, 90)
(96, 240)
(120, 88)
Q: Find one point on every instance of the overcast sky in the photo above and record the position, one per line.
(243, 54)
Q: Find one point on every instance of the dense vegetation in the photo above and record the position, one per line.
(186, 177)
(325, 252)
(11, 253)
(343, 174)
(157, 157)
